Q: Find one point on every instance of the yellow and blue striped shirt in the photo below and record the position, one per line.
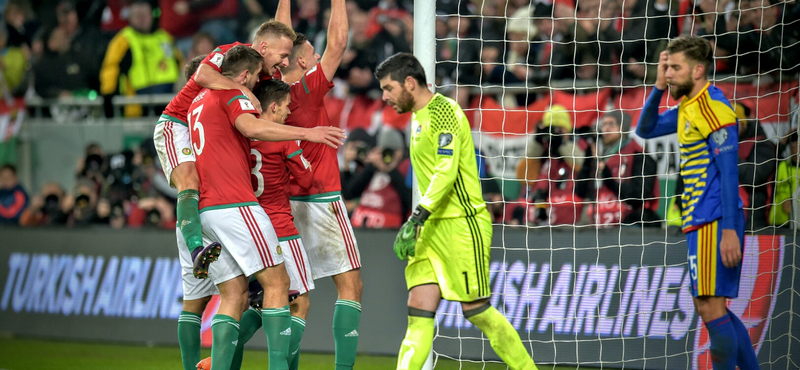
(706, 126)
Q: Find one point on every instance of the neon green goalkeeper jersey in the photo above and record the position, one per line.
(443, 157)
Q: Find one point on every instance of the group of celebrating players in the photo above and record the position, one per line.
(243, 165)
(248, 145)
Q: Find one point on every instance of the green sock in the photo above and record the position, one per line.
(418, 341)
(226, 334)
(248, 325)
(298, 327)
(189, 218)
(189, 339)
(277, 325)
(502, 336)
(346, 318)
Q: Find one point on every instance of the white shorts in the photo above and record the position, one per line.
(328, 237)
(249, 243)
(193, 288)
(173, 143)
(297, 265)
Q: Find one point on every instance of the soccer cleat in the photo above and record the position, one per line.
(204, 364)
(202, 257)
(256, 294)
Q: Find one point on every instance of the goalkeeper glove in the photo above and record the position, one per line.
(404, 244)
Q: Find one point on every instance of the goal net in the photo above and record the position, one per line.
(588, 260)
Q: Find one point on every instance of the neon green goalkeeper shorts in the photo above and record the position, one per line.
(454, 253)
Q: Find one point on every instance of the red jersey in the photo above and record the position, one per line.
(271, 164)
(223, 163)
(308, 110)
(179, 105)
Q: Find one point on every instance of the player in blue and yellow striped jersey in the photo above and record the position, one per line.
(447, 239)
(712, 215)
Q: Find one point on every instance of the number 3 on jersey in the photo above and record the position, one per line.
(197, 126)
(256, 171)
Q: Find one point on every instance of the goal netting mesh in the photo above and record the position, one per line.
(588, 260)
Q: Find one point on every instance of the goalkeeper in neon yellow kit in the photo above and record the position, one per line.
(447, 238)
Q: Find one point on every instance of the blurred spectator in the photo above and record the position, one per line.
(183, 18)
(757, 161)
(255, 13)
(13, 198)
(21, 23)
(359, 143)
(85, 41)
(92, 166)
(552, 139)
(157, 212)
(619, 176)
(148, 59)
(115, 15)
(513, 62)
(384, 198)
(81, 205)
(46, 208)
(787, 195)
(757, 38)
(589, 46)
(560, 158)
(646, 27)
(60, 70)
(202, 44)
(13, 65)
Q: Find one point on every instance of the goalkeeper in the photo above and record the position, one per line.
(448, 236)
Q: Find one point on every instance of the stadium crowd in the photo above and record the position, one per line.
(572, 173)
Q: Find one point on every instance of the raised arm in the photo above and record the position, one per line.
(651, 124)
(284, 12)
(337, 38)
(259, 129)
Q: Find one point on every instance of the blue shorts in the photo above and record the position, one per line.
(709, 276)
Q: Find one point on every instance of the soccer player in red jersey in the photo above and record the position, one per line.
(272, 163)
(273, 41)
(322, 209)
(222, 122)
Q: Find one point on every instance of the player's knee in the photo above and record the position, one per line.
(471, 309)
(196, 306)
(349, 285)
(709, 311)
(184, 176)
(300, 306)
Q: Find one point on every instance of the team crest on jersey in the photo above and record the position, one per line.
(720, 136)
(278, 249)
(186, 151)
(445, 139)
(246, 104)
(687, 127)
(217, 59)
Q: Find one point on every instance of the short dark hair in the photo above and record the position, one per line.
(695, 48)
(400, 66)
(271, 91)
(240, 58)
(297, 46)
(192, 66)
(273, 28)
(9, 167)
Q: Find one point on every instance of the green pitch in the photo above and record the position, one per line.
(23, 354)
